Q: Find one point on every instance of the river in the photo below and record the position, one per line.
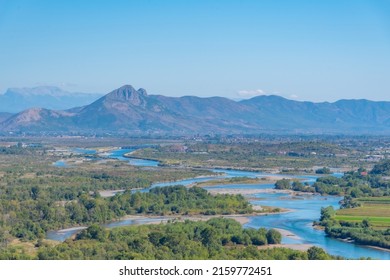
(304, 210)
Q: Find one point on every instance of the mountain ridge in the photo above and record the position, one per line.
(15, 100)
(131, 111)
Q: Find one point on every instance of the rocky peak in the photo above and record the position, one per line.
(142, 91)
(128, 94)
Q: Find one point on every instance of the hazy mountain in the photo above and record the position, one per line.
(134, 111)
(338, 117)
(15, 100)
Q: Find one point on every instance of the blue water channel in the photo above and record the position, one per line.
(119, 154)
(304, 210)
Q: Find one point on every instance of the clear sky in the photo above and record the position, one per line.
(307, 50)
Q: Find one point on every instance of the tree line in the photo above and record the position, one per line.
(217, 238)
(33, 214)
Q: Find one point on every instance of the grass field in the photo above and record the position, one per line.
(374, 209)
(375, 200)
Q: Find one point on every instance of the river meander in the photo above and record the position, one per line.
(304, 210)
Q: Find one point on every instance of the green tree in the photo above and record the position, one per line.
(283, 184)
(274, 237)
(317, 253)
(382, 168)
(92, 232)
(324, 170)
(327, 213)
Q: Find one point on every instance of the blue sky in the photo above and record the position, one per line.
(304, 50)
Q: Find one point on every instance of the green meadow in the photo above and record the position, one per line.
(374, 209)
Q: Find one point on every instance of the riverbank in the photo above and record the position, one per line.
(244, 191)
(130, 155)
(378, 248)
(241, 218)
(244, 180)
(252, 191)
(289, 234)
(299, 247)
(66, 230)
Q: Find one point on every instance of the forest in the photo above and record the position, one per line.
(217, 238)
(353, 184)
(30, 216)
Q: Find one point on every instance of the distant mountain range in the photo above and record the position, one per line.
(130, 111)
(15, 100)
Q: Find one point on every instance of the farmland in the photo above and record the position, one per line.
(374, 209)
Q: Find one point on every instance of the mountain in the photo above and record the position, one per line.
(344, 116)
(38, 119)
(131, 111)
(15, 100)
